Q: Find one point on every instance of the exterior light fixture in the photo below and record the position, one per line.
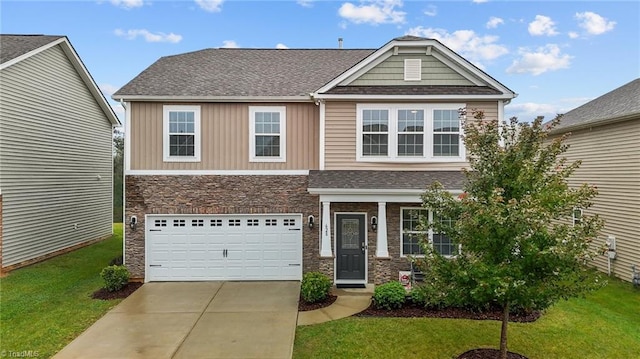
(310, 221)
(374, 223)
(133, 223)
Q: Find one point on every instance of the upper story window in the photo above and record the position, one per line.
(181, 133)
(576, 216)
(409, 133)
(268, 138)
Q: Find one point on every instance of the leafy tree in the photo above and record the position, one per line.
(519, 250)
(118, 166)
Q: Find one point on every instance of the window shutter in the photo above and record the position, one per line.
(412, 69)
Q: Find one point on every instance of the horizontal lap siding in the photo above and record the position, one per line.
(55, 142)
(391, 72)
(224, 138)
(340, 133)
(611, 161)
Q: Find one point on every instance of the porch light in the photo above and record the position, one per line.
(310, 221)
(374, 223)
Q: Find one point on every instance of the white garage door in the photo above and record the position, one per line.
(224, 247)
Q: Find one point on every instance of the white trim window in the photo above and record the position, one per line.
(411, 233)
(268, 136)
(576, 216)
(409, 133)
(181, 133)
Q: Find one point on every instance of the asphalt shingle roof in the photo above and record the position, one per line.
(418, 180)
(12, 46)
(414, 90)
(243, 72)
(621, 102)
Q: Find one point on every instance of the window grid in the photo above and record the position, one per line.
(234, 222)
(271, 222)
(267, 132)
(216, 223)
(441, 242)
(375, 132)
(410, 132)
(446, 133)
(182, 133)
(160, 222)
(576, 216)
(252, 222)
(411, 218)
(179, 223)
(289, 222)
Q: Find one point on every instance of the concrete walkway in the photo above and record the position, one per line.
(195, 320)
(348, 303)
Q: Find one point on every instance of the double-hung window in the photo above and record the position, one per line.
(181, 133)
(268, 133)
(409, 133)
(411, 218)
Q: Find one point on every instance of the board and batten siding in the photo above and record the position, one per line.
(341, 132)
(610, 157)
(224, 138)
(55, 159)
(390, 72)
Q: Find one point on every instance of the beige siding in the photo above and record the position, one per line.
(340, 148)
(225, 138)
(55, 143)
(391, 72)
(611, 161)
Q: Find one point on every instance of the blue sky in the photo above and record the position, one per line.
(555, 55)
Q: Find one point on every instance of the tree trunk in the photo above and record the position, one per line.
(503, 332)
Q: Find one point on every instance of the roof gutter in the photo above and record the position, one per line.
(130, 98)
(411, 97)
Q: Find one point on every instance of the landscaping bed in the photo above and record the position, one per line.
(126, 291)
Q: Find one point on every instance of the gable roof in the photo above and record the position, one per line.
(228, 73)
(295, 75)
(16, 48)
(618, 105)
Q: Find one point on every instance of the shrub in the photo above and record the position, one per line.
(315, 287)
(428, 296)
(114, 277)
(117, 261)
(390, 295)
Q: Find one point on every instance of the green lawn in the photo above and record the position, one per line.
(605, 324)
(45, 306)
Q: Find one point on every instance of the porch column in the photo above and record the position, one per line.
(325, 238)
(382, 247)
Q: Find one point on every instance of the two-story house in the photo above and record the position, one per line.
(262, 164)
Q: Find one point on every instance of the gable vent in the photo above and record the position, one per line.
(412, 69)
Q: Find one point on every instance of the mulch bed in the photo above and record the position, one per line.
(304, 306)
(122, 293)
(410, 310)
(486, 353)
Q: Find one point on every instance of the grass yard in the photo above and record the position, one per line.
(605, 324)
(45, 306)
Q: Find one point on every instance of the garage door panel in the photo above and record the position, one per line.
(224, 247)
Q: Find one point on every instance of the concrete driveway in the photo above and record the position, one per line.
(195, 320)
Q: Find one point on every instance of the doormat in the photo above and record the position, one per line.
(350, 286)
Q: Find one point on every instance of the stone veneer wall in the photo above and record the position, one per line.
(217, 195)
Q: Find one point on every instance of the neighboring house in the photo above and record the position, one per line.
(605, 135)
(266, 163)
(55, 151)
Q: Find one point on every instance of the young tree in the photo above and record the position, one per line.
(519, 247)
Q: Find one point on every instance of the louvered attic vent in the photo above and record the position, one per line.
(412, 69)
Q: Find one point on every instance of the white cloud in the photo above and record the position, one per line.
(107, 89)
(229, 44)
(281, 46)
(210, 5)
(465, 42)
(541, 60)
(148, 35)
(528, 111)
(479, 1)
(593, 23)
(373, 12)
(573, 35)
(431, 10)
(542, 25)
(119, 110)
(305, 3)
(494, 22)
(127, 4)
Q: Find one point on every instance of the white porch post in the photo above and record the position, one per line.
(382, 247)
(325, 242)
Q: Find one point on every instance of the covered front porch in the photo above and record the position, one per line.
(361, 221)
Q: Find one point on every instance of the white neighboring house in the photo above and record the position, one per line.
(55, 151)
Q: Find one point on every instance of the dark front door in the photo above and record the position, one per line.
(350, 244)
